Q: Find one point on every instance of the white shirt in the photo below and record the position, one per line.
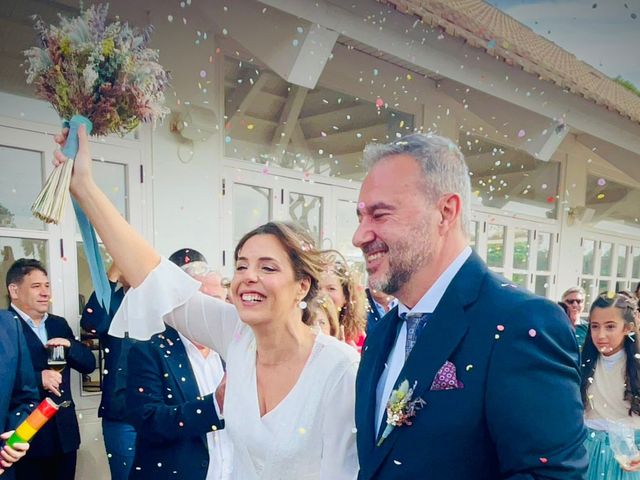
(209, 372)
(427, 304)
(40, 330)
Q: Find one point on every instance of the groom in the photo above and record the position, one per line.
(495, 368)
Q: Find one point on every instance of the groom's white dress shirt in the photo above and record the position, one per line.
(396, 359)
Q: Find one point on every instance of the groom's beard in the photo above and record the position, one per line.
(405, 256)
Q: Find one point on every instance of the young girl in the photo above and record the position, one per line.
(610, 383)
(323, 315)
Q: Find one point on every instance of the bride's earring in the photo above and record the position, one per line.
(302, 305)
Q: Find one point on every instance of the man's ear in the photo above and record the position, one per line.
(13, 291)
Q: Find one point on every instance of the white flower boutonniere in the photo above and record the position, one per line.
(401, 408)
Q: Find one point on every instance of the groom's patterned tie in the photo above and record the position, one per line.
(415, 324)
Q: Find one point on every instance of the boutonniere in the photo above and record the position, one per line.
(401, 408)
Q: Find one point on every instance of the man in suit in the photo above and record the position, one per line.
(494, 368)
(119, 435)
(170, 389)
(379, 304)
(54, 448)
(18, 389)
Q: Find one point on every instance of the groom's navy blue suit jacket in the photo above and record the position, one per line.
(518, 414)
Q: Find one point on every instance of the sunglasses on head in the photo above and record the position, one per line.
(571, 301)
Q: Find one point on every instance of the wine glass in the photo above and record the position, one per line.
(56, 358)
(623, 443)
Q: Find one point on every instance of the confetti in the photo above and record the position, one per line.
(379, 103)
(521, 133)
(203, 73)
(397, 462)
(543, 460)
(170, 18)
(491, 44)
(500, 328)
(468, 367)
(532, 333)
(602, 182)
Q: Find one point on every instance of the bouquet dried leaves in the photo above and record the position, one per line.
(102, 71)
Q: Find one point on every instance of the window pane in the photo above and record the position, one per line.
(271, 121)
(587, 284)
(14, 248)
(346, 224)
(588, 253)
(621, 285)
(544, 251)
(306, 211)
(473, 233)
(636, 262)
(495, 245)
(509, 179)
(521, 244)
(603, 286)
(520, 279)
(542, 285)
(622, 261)
(85, 285)
(605, 258)
(112, 180)
(251, 208)
(20, 183)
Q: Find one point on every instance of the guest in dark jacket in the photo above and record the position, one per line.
(53, 450)
(119, 435)
(171, 415)
(18, 388)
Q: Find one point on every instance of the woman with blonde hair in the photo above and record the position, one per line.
(341, 284)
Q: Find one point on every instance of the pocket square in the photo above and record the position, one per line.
(446, 378)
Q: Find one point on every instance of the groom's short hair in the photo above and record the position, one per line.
(442, 164)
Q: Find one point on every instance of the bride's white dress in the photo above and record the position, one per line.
(310, 434)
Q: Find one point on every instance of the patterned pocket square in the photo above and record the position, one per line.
(446, 378)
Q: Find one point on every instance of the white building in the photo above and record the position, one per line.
(272, 102)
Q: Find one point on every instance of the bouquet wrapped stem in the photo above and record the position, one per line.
(102, 75)
(50, 204)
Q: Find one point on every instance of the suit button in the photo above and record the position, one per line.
(204, 464)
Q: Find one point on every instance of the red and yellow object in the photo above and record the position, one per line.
(34, 422)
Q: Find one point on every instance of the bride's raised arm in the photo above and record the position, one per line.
(160, 290)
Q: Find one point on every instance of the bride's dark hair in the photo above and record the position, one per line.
(306, 260)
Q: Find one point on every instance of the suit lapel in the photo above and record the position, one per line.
(175, 355)
(375, 354)
(437, 342)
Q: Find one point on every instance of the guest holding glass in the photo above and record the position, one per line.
(53, 450)
(611, 385)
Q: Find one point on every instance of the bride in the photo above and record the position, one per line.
(290, 395)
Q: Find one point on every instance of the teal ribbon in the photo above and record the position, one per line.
(89, 238)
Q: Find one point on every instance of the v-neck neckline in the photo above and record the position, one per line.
(303, 373)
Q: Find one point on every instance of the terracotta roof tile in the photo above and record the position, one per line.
(484, 26)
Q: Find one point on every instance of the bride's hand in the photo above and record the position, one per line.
(82, 165)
